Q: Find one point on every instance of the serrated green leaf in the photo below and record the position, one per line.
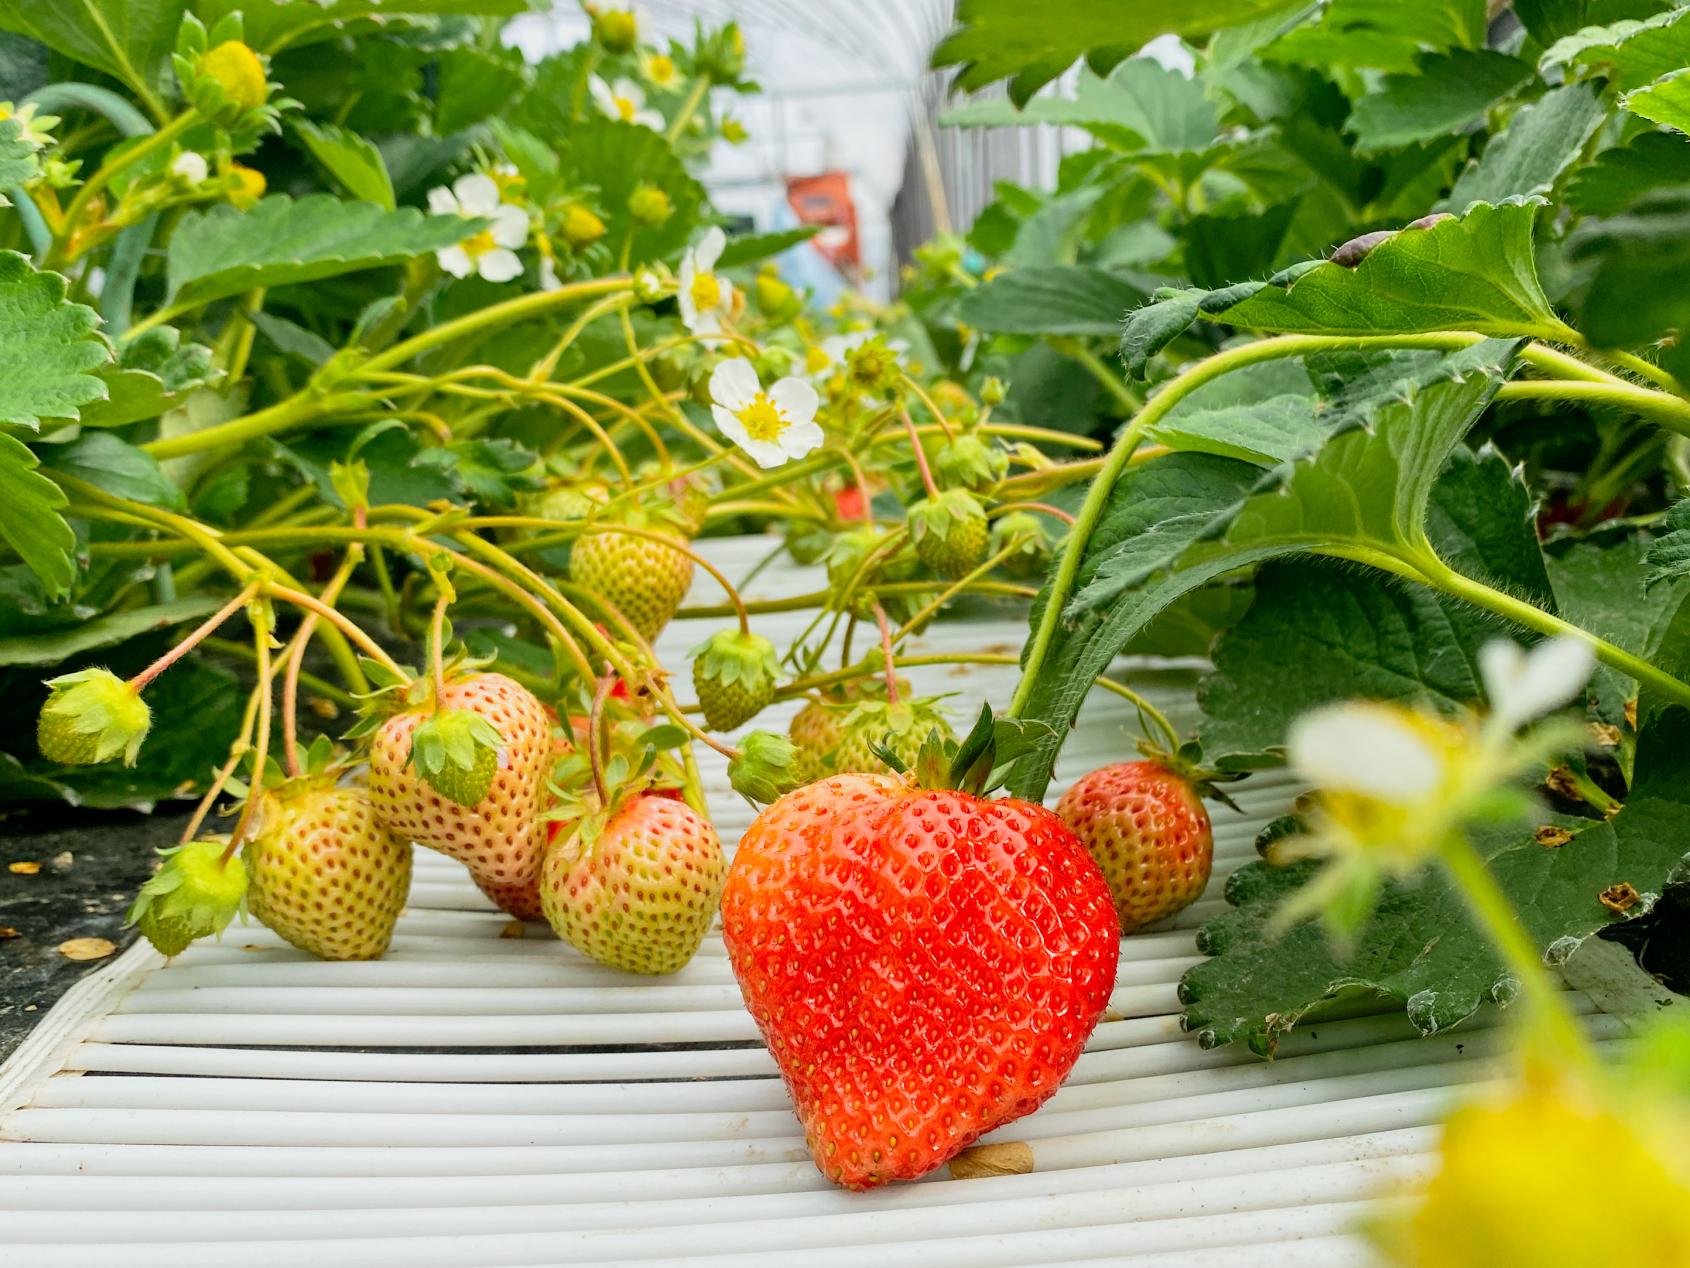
(1669, 554)
(52, 646)
(1141, 107)
(116, 466)
(1265, 432)
(1364, 490)
(1628, 53)
(1622, 175)
(1472, 272)
(31, 521)
(490, 471)
(273, 24)
(995, 39)
(749, 248)
(1365, 33)
(18, 164)
(1445, 93)
(474, 84)
(281, 242)
(1626, 305)
(1055, 300)
(129, 40)
(353, 161)
(1540, 143)
(614, 158)
(1420, 947)
(51, 346)
(1667, 101)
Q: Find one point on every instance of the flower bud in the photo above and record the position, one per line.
(649, 206)
(617, 30)
(581, 227)
(235, 68)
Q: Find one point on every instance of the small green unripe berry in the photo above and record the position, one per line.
(581, 227)
(617, 30)
(90, 717)
(194, 895)
(649, 206)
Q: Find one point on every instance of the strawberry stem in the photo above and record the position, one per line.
(261, 740)
(862, 485)
(296, 659)
(1043, 508)
(925, 399)
(595, 755)
(920, 455)
(887, 653)
(139, 682)
(239, 750)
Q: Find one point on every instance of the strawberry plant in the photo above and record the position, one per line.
(372, 394)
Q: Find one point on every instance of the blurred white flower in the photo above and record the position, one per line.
(771, 426)
(1371, 749)
(491, 252)
(660, 71)
(625, 100)
(190, 167)
(705, 298)
(1523, 686)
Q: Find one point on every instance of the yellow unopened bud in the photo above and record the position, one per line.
(734, 133)
(246, 185)
(617, 30)
(581, 228)
(649, 206)
(235, 68)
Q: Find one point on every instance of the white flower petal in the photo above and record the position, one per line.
(190, 166)
(649, 119)
(603, 96)
(1523, 686)
(510, 226)
(709, 248)
(441, 202)
(765, 453)
(838, 347)
(477, 194)
(627, 90)
(1363, 748)
(499, 265)
(548, 274)
(801, 438)
(734, 383)
(456, 261)
(795, 399)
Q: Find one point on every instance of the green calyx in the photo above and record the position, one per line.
(980, 763)
(951, 532)
(872, 368)
(456, 751)
(970, 463)
(768, 766)
(194, 895)
(90, 717)
(734, 673)
(877, 736)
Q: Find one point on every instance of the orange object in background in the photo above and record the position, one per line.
(825, 199)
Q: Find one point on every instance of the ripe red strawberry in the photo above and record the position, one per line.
(494, 838)
(925, 965)
(642, 579)
(323, 872)
(1146, 827)
(637, 891)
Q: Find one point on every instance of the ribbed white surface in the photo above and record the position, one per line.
(242, 1102)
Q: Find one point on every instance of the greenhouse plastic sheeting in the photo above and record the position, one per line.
(483, 1095)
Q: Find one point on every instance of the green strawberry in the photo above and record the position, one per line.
(638, 890)
(90, 717)
(323, 872)
(457, 752)
(814, 732)
(195, 894)
(642, 579)
(734, 673)
(951, 532)
(903, 728)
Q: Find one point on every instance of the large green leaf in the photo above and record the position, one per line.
(49, 647)
(1365, 490)
(51, 347)
(1420, 947)
(748, 248)
(1472, 272)
(1628, 53)
(1141, 106)
(350, 159)
(30, 517)
(282, 241)
(1540, 143)
(1667, 101)
(999, 39)
(1622, 175)
(1445, 93)
(273, 24)
(118, 467)
(1057, 300)
(18, 164)
(1629, 256)
(126, 39)
(1270, 430)
(1365, 33)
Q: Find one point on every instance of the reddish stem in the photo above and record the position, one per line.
(139, 681)
(1044, 508)
(920, 455)
(595, 716)
(886, 651)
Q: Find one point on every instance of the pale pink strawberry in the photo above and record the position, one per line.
(495, 838)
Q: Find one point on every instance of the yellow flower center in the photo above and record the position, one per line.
(660, 69)
(706, 291)
(815, 360)
(625, 108)
(762, 420)
(480, 244)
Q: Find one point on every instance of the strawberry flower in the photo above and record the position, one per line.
(771, 426)
(625, 100)
(704, 297)
(491, 253)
